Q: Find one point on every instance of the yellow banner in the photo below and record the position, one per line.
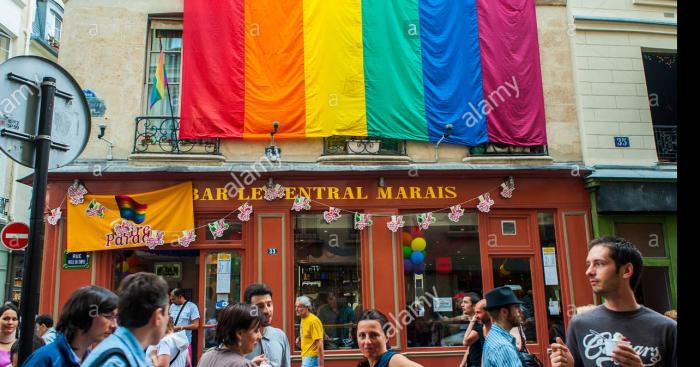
(120, 221)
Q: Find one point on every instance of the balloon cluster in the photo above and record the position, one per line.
(413, 252)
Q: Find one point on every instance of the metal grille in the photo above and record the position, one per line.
(666, 142)
(353, 145)
(159, 134)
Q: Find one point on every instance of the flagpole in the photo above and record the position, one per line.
(176, 146)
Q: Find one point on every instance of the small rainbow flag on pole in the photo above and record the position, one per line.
(130, 209)
(160, 81)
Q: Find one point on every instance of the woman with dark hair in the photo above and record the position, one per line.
(237, 333)
(373, 329)
(8, 332)
(88, 317)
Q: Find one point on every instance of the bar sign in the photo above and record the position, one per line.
(622, 142)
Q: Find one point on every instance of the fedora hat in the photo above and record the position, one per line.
(501, 297)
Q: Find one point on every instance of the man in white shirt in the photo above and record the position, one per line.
(185, 315)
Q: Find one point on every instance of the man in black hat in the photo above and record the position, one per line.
(499, 347)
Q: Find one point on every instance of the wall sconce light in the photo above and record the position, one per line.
(381, 181)
(272, 152)
(101, 135)
(445, 135)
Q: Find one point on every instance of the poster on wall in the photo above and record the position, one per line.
(549, 261)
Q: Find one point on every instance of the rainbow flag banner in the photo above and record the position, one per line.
(400, 69)
(160, 81)
(129, 221)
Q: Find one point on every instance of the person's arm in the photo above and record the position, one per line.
(163, 360)
(319, 344)
(193, 326)
(561, 355)
(470, 336)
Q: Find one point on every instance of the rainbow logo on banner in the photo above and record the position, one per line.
(130, 209)
(380, 68)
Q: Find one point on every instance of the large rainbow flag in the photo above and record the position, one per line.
(386, 68)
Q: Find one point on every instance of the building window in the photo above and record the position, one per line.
(327, 270)
(170, 41)
(440, 265)
(660, 70)
(654, 289)
(363, 145)
(552, 285)
(4, 46)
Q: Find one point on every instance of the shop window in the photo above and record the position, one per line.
(653, 290)
(222, 281)
(551, 271)
(168, 36)
(327, 270)
(515, 272)
(647, 237)
(440, 264)
(233, 233)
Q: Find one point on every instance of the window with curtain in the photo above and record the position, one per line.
(165, 36)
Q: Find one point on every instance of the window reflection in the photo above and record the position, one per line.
(441, 264)
(515, 273)
(327, 270)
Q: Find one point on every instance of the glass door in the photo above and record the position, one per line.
(222, 286)
(515, 272)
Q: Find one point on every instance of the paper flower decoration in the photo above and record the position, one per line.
(362, 221)
(274, 192)
(485, 203)
(187, 238)
(95, 209)
(54, 216)
(456, 212)
(124, 228)
(154, 239)
(245, 211)
(507, 188)
(76, 193)
(331, 215)
(425, 220)
(395, 223)
(301, 203)
(217, 228)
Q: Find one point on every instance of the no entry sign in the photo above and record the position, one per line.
(15, 235)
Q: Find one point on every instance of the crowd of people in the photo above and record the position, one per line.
(145, 324)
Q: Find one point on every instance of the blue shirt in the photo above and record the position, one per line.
(133, 354)
(56, 354)
(190, 312)
(275, 345)
(500, 349)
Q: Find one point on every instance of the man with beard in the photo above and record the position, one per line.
(499, 348)
(620, 331)
(274, 346)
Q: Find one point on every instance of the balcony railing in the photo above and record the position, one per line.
(351, 145)
(4, 203)
(666, 142)
(159, 134)
(496, 149)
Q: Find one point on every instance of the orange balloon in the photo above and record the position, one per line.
(407, 238)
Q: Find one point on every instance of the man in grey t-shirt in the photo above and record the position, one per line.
(274, 345)
(614, 269)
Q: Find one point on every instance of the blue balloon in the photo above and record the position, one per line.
(407, 265)
(419, 269)
(417, 257)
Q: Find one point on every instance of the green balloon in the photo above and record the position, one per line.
(407, 252)
(424, 253)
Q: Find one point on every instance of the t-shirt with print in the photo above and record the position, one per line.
(653, 336)
(311, 330)
(189, 314)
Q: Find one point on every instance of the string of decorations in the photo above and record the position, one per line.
(361, 221)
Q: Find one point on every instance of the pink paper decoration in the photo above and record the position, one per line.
(245, 211)
(331, 215)
(396, 223)
(456, 212)
(485, 203)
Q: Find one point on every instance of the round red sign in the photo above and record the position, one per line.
(15, 235)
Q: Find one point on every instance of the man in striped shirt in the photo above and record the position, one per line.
(499, 347)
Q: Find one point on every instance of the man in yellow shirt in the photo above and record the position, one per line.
(310, 333)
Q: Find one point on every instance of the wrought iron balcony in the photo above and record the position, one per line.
(4, 202)
(159, 134)
(350, 145)
(666, 143)
(496, 149)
